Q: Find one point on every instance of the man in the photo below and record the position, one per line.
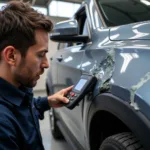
(23, 48)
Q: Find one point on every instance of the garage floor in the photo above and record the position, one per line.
(49, 142)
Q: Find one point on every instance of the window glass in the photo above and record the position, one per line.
(1, 5)
(85, 28)
(62, 11)
(58, 8)
(39, 9)
(120, 12)
(76, 7)
(53, 8)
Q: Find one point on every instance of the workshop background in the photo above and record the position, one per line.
(57, 11)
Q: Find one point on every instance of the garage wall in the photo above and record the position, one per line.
(40, 90)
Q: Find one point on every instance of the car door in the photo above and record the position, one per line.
(53, 71)
(69, 73)
(85, 59)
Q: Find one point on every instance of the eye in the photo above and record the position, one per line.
(40, 55)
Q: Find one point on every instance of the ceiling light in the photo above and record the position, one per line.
(145, 2)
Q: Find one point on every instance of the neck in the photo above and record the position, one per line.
(7, 75)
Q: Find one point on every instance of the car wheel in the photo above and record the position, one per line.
(122, 141)
(54, 128)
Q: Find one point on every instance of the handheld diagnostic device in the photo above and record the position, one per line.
(84, 85)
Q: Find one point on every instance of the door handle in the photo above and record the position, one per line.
(59, 58)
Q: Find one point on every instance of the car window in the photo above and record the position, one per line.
(81, 18)
(120, 12)
(85, 28)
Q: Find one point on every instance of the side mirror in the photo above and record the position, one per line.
(69, 27)
(67, 31)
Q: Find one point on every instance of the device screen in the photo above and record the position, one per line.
(80, 84)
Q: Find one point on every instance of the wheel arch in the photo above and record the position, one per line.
(116, 116)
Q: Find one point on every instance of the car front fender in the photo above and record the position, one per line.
(136, 121)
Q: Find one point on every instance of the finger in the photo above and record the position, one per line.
(62, 99)
(66, 90)
(65, 100)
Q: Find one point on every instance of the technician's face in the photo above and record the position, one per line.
(32, 66)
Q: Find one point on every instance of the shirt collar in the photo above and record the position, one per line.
(13, 94)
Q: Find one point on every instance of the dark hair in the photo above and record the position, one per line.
(18, 22)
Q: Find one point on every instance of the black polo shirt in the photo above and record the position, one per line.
(19, 114)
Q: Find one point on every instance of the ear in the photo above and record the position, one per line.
(10, 55)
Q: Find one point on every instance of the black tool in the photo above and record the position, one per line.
(85, 85)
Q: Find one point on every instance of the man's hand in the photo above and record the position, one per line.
(56, 99)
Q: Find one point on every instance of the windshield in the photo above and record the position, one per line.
(120, 12)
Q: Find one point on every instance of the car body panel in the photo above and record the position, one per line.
(131, 32)
(136, 80)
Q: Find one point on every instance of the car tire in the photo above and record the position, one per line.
(53, 126)
(121, 141)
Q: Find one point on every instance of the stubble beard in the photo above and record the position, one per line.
(27, 82)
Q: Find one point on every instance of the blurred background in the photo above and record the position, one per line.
(57, 10)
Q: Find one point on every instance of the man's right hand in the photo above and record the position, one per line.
(56, 100)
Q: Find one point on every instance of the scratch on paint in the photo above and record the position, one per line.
(104, 70)
(134, 88)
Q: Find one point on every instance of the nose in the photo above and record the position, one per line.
(45, 63)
